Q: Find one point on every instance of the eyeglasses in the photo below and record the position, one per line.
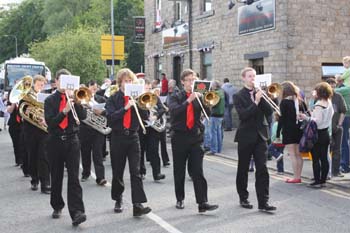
(189, 80)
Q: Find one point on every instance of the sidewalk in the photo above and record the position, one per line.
(229, 151)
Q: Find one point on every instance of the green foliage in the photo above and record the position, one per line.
(24, 22)
(77, 50)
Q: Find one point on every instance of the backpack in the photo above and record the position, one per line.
(309, 137)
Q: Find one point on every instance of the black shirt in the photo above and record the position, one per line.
(178, 112)
(54, 117)
(115, 113)
(12, 120)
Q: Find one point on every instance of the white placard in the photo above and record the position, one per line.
(263, 80)
(98, 106)
(134, 90)
(41, 97)
(69, 82)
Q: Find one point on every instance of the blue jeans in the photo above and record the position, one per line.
(216, 134)
(207, 136)
(275, 152)
(228, 117)
(344, 163)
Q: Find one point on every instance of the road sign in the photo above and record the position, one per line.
(106, 47)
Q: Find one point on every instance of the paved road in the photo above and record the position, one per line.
(300, 209)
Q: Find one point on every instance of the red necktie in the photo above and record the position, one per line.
(127, 115)
(64, 122)
(18, 118)
(190, 114)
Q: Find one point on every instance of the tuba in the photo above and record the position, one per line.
(23, 91)
(211, 98)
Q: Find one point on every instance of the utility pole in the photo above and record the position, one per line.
(112, 32)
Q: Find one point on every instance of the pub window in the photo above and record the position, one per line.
(207, 71)
(178, 11)
(157, 67)
(258, 65)
(158, 4)
(207, 5)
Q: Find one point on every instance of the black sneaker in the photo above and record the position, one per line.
(267, 208)
(159, 177)
(180, 205)
(101, 182)
(78, 218)
(34, 187)
(84, 178)
(56, 214)
(246, 204)
(315, 185)
(139, 210)
(118, 208)
(206, 207)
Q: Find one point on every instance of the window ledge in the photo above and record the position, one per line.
(205, 14)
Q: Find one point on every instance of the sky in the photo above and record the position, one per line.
(10, 1)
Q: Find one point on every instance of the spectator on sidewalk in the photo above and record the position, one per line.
(164, 90)
(346, 73)
(290, 126)
(322, 115)
(230, 91)
(276, 147)
(216, 118)
(339, 107)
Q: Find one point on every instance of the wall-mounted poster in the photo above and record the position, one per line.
(140, 26)
(259, 16)
(176, 36)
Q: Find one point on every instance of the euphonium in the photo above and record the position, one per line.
(30, 109)
(211, 98)
(111, 90)
(97, 122)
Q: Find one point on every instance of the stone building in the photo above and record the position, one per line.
(301, 41)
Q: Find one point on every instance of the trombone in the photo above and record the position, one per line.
(82, 95)
(273, 90)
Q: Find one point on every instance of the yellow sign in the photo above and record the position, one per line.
(106, 47)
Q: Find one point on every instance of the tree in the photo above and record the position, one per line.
(77, 50)
(24, 22)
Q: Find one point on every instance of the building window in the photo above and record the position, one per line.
(207, 71)
(178, 11)
(158, 4)
(207, 5)
(158, 19)
(258, 65)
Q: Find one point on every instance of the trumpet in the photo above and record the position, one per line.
(272, 92)
(211, 99)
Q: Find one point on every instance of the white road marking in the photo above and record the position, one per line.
(155, 218)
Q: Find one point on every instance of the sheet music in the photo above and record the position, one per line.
(70, 82)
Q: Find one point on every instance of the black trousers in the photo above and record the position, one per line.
(126, 147)
(36, 143)
(65, 153)
(91, 144)
(259, 151)
(152, 150)
(143, 147)
(187, 148)
(319, 153)
(163, 149)
(23, 138)
(337, 137)
(18, 147)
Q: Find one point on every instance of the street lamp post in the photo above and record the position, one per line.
(15, 42)
(112, 32)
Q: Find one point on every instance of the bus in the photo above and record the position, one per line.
(17, 68)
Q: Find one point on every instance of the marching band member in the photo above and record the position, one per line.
(63, 149)
(187, 136)
(153, 137)
(91, 142)
(125, 144)
(35, 142)
(252, 136)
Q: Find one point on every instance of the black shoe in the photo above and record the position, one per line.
(315, 185)
(46, 190)
(34, 187)
(246, 204)
(159, 177)
(101, 182)
(118, 208)
(180, 205)
(84, 178)
(227, 129)
(206, 207)
(143, 176)
(166, 164)
(56, 214)
(139, 210)
(267, 208)
(78, 218)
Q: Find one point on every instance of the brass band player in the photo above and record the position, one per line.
(187, 137)
(92, 141)
(36, 143)
(64, 149)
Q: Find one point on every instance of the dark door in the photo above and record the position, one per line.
(177, 69)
